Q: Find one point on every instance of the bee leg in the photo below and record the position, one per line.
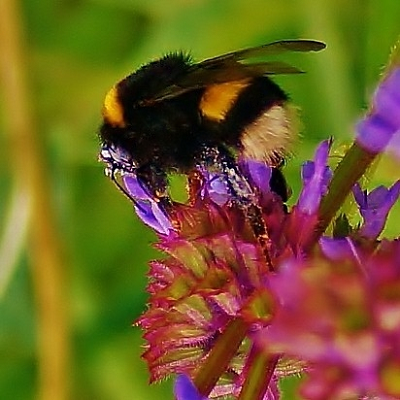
(194, 186)
(220, 161)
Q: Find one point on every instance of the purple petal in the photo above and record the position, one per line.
(374, 133)
(152, 214)
(360, 196)
(394, 145)
(258, 172)
(336, 249)
(184, 389)
(375, 207)
(136, 188)
(381, 127)
(147, 208)
(387, 99)
(316, 176)
(215, 187)
(254, 172)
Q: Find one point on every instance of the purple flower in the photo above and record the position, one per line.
(316, 176)
(147, 208)
(337, 249)
(184, 389)
(381, 127)
(374, 207)
(303, 219)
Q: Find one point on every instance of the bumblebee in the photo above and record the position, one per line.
(173, 115)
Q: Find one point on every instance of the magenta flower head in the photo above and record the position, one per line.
(251, 290)
(341, 316)
(206, 298)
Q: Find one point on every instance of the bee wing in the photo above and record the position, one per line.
(270, 68)
(281, 46)
(229, 67)
(227, 72)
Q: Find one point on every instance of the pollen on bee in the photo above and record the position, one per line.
(112, 111)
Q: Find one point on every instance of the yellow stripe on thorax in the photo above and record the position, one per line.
(113, 112)
(219, 98)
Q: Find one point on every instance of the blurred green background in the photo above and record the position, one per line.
(74, 51)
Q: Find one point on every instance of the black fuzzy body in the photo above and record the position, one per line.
(170, 134)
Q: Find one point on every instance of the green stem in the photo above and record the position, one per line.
(223, 350)
(261, 366)
(349, 171)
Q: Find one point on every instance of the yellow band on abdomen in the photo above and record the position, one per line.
(219, 98)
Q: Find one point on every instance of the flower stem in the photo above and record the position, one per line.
(223, 350)
(261, 366)
(349, 171)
